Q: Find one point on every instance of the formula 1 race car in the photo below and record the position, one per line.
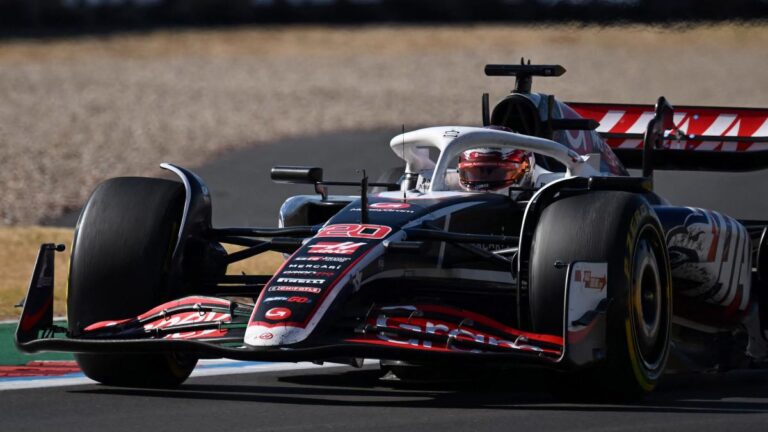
(536, 249)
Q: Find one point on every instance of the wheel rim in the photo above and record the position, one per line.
(649, 301)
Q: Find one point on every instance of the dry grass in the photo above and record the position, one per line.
(263, 264)
(76, 111)
(17, 257)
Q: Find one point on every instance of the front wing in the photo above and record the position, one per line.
(212, 327)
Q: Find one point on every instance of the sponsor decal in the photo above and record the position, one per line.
(587, 287)
(490, 247)
(385, 210)
(289, 331)
(453, 133)
(308, 273)
(322, 259)
(436, 327)
(189, 318)
(315, 266)
(711, 252)
(281, 288)
(272, 299)
(334, 248)
(389, 205)
(299, 272)
(364, 231)
(184, 301)
(266, 336)
(300, 281)
(292, 299)
(299, 299)
(589, 280)
(278, 314)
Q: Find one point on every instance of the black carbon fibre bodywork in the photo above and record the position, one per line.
(436, 272)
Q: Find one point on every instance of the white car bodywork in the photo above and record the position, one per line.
(413, 147)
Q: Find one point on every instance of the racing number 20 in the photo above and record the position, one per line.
(375, 232)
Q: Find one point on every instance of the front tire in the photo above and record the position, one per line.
(119, 269)
(620, 229)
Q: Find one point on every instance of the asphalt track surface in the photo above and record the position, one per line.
(345, 399)
(243, 194)
(348, 399)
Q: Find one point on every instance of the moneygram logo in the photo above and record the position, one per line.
(389, 205)
(334, 248)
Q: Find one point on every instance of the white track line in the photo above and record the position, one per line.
(16, 321)
(203, 369)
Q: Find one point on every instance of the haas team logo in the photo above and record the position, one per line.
(337, 248)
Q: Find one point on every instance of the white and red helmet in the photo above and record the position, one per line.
(495, 168)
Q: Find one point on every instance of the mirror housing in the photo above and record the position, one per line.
(297, 174)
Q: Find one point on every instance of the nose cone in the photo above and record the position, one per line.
(264, 336)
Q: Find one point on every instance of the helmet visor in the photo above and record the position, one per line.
(492, 168)
(489, 175)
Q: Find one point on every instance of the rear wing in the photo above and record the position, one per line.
(683, 137)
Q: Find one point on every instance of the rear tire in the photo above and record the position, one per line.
(119, 268)
(622, 230)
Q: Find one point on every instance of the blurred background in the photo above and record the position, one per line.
(92, 89)
(131, 13)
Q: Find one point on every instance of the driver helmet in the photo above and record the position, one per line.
(483, 169)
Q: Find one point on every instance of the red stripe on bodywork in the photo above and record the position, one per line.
(373, 341)
(183, 302)
(697, 120)
(484, 320)
(28, 321)
(158, 309)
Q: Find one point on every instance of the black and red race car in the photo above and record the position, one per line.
(581, 269)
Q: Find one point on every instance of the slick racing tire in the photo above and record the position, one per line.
(622, 230)
(119, 269)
